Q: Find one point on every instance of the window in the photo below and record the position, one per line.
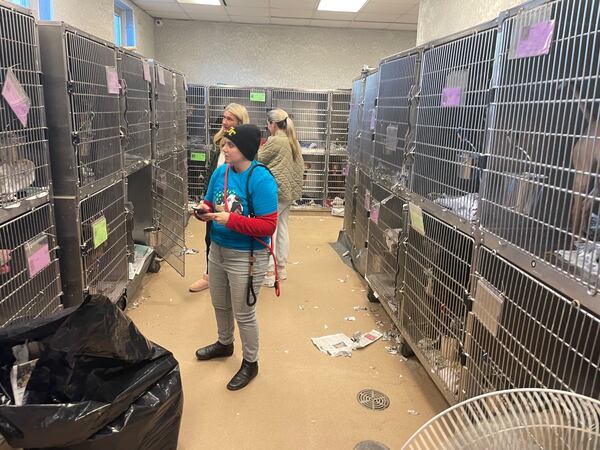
(124, 24)
(41, 8)
(23, 3)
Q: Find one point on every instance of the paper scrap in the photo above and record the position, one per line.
(334, 345)
(535, 40)
(146, 68)
(16, 97)
(37, 251)
(392, 350)
(99, 232)
(19, 377)
(374, 215)
(112, 80)
(350, 318)
(412, 412)
(346, 253)
(416, 218)
(161, 74)
(368, 338)
(301, 307)
(360, 308)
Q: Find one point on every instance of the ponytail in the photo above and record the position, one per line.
(284, 123)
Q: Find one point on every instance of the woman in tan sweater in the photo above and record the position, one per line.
(282, 155)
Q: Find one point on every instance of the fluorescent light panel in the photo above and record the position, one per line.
(341, 5)
(202, 2)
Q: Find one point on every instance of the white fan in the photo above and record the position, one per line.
(517, 419)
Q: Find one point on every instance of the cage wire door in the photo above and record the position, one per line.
(29, 275)
(361, 222)
(93, 88)
(451, 120)
(366, 134)
(355, 118)
(169, 193)
(397, 80)
(180, 111)
(337, 168)
(135, 117)
(256, 100)
(338, 121)
(104, 242)
(436, 288)
(523, 334)
(350, 202)
(24, 158)
(165, 111)
(197, 144)
(313, 192)
(541, 185)
(385, 235)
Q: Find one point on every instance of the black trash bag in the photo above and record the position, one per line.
(150, 423)
(93, 365)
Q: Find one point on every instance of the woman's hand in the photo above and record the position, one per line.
(221, 217)
(201, 211)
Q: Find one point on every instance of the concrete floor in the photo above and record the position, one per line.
(302, 398)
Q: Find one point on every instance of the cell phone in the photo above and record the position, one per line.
(198, 210)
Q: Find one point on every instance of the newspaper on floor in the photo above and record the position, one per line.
(341, 345)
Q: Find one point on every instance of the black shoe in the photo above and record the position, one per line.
(216, 350)
(241, 379)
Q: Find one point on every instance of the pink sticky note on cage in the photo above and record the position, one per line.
(16, 97)
(375, 213)
(146, 67)
(345, 170)
(161, 75)
(112, 80)
(535, 40)
(38, 260)
(451, 96)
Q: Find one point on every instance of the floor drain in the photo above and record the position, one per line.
(371, 445)
(373, 400)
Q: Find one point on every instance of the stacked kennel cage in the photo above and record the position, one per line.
(499, 166)
(197, 136)
(337, 147)
(29, 272)
(309, 111)
(81, 89)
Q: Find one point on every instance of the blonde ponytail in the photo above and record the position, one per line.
(240, 112)
(284, 123)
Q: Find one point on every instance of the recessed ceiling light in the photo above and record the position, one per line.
(341, 5)
(202, 2)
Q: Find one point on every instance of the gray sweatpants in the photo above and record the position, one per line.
(228, 282)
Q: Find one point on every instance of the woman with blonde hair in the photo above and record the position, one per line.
(233, 115)
(283, 156)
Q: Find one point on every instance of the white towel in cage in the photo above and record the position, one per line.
(586, 256)
(15, 177)
(464, 206)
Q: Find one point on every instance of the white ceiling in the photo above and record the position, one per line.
(375, 14)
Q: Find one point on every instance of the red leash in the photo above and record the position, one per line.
(270, 248)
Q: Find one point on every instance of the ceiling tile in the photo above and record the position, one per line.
(328, 15)
(372, 17)
(168, 15)
(292, 12)
(388, 6)
(298, 4)
(330, 23)
(197, 10)
(163, 8)
(291, 21)
(153, 2)
(248, 3)
(370, 25)
(246, 19)
(402, 26)
(250, 12)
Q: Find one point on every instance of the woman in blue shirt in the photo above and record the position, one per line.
(241, 202)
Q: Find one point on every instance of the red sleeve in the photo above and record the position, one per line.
(253, 226)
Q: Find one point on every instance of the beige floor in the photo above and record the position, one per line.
(301, 399)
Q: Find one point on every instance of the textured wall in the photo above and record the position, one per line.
(439, 18)
(96, 17)
(272, 55)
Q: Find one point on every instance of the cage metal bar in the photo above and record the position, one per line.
(355, 118)
(197, 136)
(165, 111)
(359, 250)
(366, 134)
(29, 275)
(350, 202)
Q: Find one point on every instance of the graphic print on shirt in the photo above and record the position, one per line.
(233, 202)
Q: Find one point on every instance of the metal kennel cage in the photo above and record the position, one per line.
(180, 111)
(197, 143)
(385, 258)
(165, 110)
(361, 222)
(540, 194)
(313, 192)
(92, 237)
(355, 117)
(366, 133)
(395, 119)
(24, 158)
(135, 117)
(310, 112)
(256, 100)
(337, 168)
(350, 201)
(453, 99)
(523, 334)
(434, 299)
(81, 90)
(338, 121)
(29, 275)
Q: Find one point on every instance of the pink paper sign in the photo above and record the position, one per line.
(451, 96)
(535, 40)
(345, 170)
(16, 97)
(146, 67)
(38, 260)
(375, 213)
(112, 80)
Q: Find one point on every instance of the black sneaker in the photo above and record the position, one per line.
(241, 379)
(216, 350)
